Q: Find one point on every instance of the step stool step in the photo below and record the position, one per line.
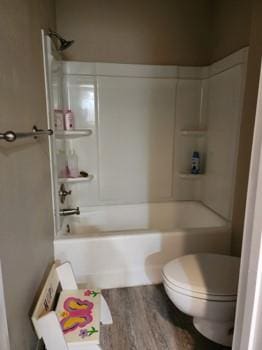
(78, 312)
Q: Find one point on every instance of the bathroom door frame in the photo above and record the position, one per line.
(248, 325)
(4, 334)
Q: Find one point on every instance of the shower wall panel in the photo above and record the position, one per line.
(224, 111)
(136, 138)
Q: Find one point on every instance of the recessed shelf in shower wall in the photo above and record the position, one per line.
(73, 133)
(193, 132)
(188, 176)
(73, 180)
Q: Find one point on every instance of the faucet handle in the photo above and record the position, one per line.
(63, 193)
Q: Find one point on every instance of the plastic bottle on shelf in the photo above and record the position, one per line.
(59, 119)
(69, 120)
(195, 169)
(72, 164)
(61, 163)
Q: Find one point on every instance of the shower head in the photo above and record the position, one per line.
(64, 44)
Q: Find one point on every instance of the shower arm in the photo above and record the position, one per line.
(54, 34)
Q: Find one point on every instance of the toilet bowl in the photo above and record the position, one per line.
(204, 286)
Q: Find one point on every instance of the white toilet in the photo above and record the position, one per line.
(204, 286)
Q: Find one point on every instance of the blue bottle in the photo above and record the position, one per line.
(195, 169)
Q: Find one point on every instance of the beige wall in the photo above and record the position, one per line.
(138, 31)
(248, 117)
(26, 246)
(230, 27)
(152, 32)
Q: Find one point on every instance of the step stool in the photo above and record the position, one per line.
(74, 323)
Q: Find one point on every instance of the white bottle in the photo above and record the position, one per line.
(59, 119)
(69, 120)
(72, 163)
(61, 163)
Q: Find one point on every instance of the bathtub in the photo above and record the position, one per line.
(126, 245)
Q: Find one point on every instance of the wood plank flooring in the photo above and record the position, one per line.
(145, 319)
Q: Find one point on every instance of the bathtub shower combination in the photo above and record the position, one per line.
(136, 128)
(126, 245)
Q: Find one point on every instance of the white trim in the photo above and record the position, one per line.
(4, 336)
(248, 323)
(232, 60)
(154, 71)
(47, 62)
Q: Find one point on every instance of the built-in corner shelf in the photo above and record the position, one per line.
(72, 180)
(193, 132)
(188, 176)
(60, 134)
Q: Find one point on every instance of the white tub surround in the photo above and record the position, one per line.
(117, 246)
(146, 121)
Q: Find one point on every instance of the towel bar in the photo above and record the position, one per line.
(11, 136)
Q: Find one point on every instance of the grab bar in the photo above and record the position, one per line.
(11, 136)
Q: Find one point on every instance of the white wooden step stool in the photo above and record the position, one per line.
(75, 322)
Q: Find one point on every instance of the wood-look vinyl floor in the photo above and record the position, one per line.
(145, 319)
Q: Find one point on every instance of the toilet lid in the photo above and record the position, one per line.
(210, 274)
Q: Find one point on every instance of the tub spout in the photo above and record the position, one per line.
(70, 211)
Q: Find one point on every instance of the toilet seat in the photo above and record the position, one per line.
(190, 293)
(205, 276)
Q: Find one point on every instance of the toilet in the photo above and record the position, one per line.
(204, 286)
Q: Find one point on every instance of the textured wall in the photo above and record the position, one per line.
(153, 32)
(230, 26)
(138, 31)
(26, 246)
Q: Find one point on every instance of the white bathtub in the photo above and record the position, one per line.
(127, 245)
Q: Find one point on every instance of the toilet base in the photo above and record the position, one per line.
(218, 332)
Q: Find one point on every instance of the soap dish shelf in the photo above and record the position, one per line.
(193, 132)
(73, 180)
(188, 176)
(61, 134)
